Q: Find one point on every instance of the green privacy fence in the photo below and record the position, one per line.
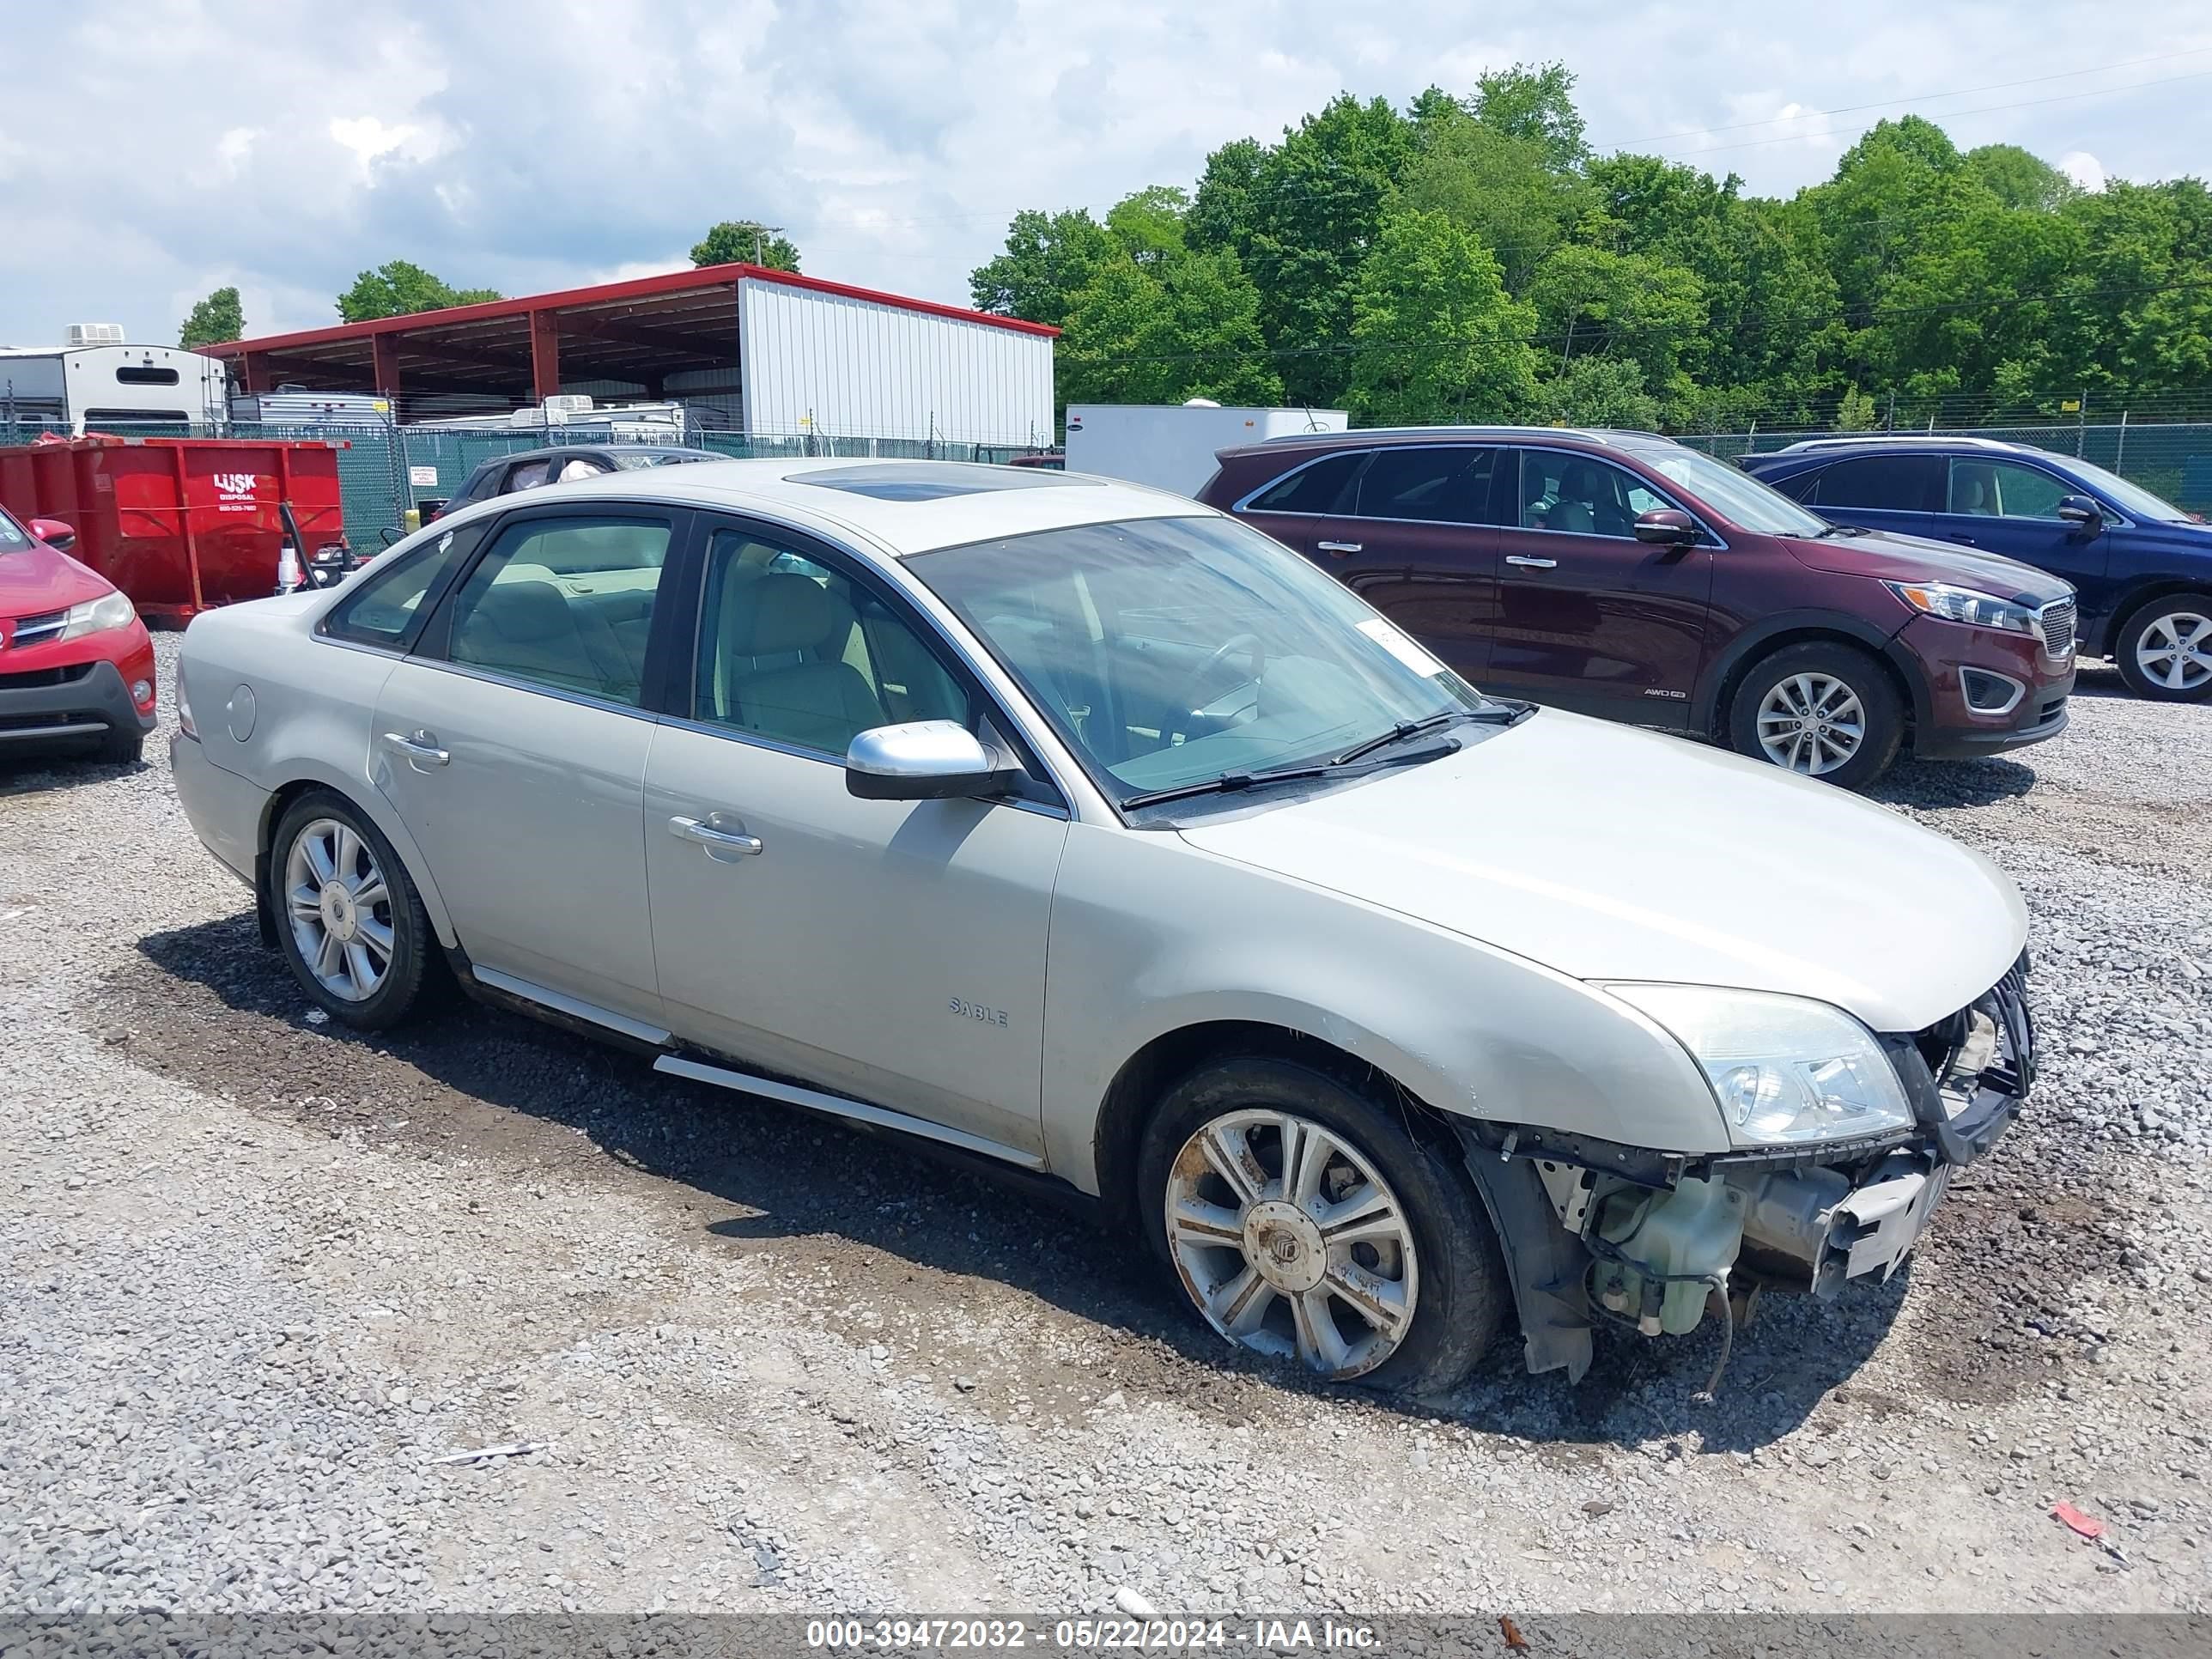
(384, 470)
(2170, 459)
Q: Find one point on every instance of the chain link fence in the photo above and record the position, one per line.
(386, 470)
(2173, 460)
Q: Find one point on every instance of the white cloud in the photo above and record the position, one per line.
(523, 144)
(2083, 169)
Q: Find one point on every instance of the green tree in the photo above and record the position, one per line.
(1149, 225)
(1498, 186)
(2019, 178)
(218, 318)
(1591, 301)
(1221, 207)
(1600, 392)
(1436, 336)
(397, 289)
(1183, 326)
(1534, 101)
(1317, 206)
(746, 241)
(1048, 260)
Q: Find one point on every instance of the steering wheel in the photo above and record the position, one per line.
(1185, 700)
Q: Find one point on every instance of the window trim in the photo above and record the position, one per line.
(1364, 454)
(1708, 536)
(433, 640)
(680, 708)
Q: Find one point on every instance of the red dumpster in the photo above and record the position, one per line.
(179, 523)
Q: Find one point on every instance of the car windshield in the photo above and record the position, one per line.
(1175, 652)
(631, 461)
(1732, 493)
(2131, 499)
(13, 536)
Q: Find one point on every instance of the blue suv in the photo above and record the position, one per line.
(2142, 565)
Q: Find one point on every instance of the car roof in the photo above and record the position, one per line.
(613, 446)
(1368, 437)
(905, 506)
(1873, 442)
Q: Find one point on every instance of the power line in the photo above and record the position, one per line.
(1926, 97)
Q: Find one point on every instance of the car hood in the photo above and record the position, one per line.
(1610, 854)
(1890, 557)
(37, 578)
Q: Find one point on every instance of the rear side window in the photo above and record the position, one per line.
(1442, 483)
(1890, 484)
(528, 476)
(385, 603)
(1323, 488)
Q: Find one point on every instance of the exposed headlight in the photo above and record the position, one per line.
(97, 616)
(1969, 605)
(1784, 1069)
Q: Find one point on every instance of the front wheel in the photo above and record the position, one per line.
(1821, 708)
(2164, 649)
(351, 925)
(1301, 1220)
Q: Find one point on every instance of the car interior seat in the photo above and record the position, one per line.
(529, 627)
(807, 693)
(1576, 508)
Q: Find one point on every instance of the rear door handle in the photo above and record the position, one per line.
(421, 748)
(1955, 537)
(1339, 548)
(719, 842)
(1528, 563)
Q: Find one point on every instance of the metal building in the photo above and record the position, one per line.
(768, 352)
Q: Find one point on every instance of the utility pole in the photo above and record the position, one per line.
(760, 231)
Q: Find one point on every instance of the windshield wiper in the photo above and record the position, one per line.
(1231, 782)
(1491, 714)
(1827, 530)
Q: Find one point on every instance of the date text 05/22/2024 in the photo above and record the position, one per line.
(1281, 1635)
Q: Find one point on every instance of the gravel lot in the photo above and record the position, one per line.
(257, 1276)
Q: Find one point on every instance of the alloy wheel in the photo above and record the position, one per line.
(339, 909)
(1811, 723)
(2175, 651)
(1290, 1241)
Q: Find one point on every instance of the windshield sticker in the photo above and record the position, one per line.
(1400, 645)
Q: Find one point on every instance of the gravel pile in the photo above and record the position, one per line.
(259, 1277)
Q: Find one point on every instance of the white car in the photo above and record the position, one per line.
(1086, 829)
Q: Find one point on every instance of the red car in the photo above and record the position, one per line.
(1622, 575)
(77, 665)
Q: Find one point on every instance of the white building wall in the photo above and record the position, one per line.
(837, 366)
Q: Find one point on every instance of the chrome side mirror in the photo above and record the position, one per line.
(923, 760)
(1666, 526)
(2082, 512)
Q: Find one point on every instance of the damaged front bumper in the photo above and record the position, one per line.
(1591, 1228)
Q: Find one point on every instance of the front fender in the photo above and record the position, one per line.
(1153, 936)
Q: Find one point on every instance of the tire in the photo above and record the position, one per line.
(122, 747)
(1450, 1286)
(2175, 620)
(398, 928)
(1825, 677)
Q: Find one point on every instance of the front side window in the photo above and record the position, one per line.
(566, 603)
(2005, 489)
(1890, 484)
(1440, 483)
(1583, 496)
(796, 653)
(1170, 652)
(383, 605)
(1324, 487)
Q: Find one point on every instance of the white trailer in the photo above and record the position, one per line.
(1172, 446)
(95, 382)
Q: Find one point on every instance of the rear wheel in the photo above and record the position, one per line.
(1301, 1219)
(2164, 649)
(1822, 709)
(350, 922)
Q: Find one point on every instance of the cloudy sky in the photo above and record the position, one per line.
(152, 149)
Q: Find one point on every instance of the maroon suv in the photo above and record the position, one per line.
(1621, 573)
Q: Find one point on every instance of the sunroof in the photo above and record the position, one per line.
(930, 484)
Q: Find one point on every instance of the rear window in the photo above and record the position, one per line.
(1323, 487)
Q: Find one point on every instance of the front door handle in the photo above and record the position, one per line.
(1528, 563)
(718, 842)
(1956, 537)
(421, 748)
(1338, 548)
